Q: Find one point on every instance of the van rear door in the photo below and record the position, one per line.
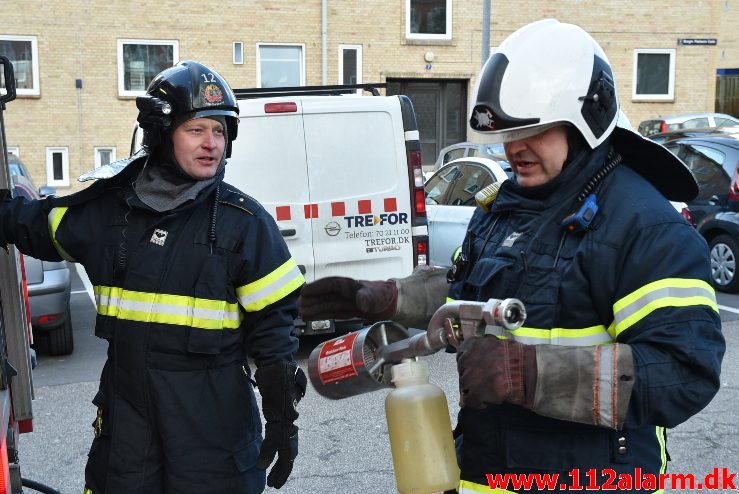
(269, 163)
(360, 197)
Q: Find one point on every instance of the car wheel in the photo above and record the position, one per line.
(61, 341)
(724, 254)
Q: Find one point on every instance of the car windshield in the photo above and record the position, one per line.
(726, 122)
(456, 185)
(15, 169)
(650, 127)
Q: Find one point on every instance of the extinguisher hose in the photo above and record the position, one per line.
(38, 486)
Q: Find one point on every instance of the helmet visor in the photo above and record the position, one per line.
(509, 135)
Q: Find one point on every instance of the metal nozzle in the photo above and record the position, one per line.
(509, 313)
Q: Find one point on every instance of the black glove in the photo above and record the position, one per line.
(281, 385)
(344, 298)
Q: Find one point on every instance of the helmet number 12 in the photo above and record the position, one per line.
(209, 77)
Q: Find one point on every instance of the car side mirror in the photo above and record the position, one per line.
(46, 191)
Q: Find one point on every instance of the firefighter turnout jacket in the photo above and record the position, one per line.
(183, 297)
(638, 275)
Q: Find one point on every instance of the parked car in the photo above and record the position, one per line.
(672, 135)
(686, 121)
(450, 202)
(713, 160)
(469, 150)
(49, 283)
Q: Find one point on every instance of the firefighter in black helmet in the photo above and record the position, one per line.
(191, 277)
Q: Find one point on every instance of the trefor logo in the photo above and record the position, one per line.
(368, 220)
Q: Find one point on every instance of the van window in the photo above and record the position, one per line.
(372, 156)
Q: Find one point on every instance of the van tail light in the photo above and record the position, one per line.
(420, 202)
(663, 126)
(685, 213)
(416, 178)
(421, 251)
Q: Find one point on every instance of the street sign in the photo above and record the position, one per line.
(697, 41)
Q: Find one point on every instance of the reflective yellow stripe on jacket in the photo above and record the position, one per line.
(166, 309)
(271, 288)
(669, 292)
(594, 335)
(55, 218)
(590, 336)
(467, 487)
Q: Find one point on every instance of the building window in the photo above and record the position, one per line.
(238, 57)
(428, 19)
(654, 75)
(139, 61)
(22, 51)
(15, 151)
(57, 167)
(280, 65)
(104, 156)
(350, 65)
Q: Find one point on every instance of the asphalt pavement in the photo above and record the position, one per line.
(344, 447)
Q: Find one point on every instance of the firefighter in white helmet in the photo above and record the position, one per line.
(623, 337)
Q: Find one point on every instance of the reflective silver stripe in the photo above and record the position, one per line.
(669, 292)
(271, 288)
(596, 335)
(167, 309)
(172, 310)
(605, 386)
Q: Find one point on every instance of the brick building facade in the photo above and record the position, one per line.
(79, 109)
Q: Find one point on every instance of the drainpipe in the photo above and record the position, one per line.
(324, 44)
(485, 52)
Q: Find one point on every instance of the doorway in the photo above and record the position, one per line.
(441, 111)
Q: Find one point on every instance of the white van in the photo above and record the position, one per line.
(340, 174)
(342, 177)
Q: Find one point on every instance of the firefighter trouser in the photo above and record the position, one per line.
(199, 432)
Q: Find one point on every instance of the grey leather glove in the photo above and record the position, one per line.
(337, 297)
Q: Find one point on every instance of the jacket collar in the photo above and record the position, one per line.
(563, 189)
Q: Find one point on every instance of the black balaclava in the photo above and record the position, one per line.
(576, 143)
(163, 185)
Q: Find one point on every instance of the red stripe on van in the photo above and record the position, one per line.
(338, 209)
(311, 211)
(364, 206)
(391, 204)
(282, 213)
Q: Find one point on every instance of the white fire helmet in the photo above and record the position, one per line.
(549, 73)
(545, 74)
